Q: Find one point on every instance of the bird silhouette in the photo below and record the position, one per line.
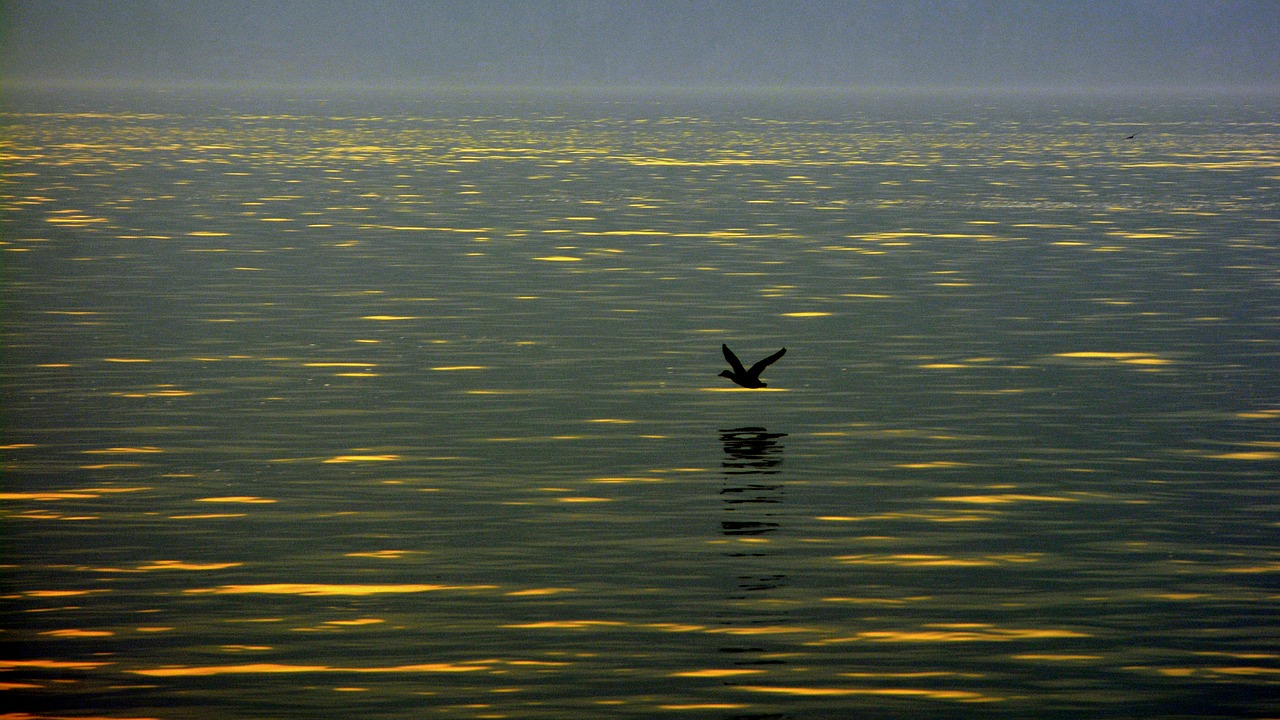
(1132, 136)
(747, 378)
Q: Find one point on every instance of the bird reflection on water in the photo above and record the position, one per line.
(750, 451)
(752, 491)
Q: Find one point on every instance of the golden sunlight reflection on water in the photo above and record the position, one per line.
(319, 412)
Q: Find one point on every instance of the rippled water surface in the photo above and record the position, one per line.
(408, 407)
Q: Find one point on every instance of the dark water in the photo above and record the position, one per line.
(408, 407)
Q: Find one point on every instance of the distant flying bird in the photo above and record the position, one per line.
(748, 378)
(1132, 136)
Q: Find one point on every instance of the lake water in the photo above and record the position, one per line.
(407, 406)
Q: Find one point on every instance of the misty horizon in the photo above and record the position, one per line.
(567, 43)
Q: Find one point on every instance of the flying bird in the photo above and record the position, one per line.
(1132, 136)
(748, 378)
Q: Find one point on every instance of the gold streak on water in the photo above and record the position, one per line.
(929, 560)
(538, 592)
(360, 458)
(271, 668)
(77, 633)
(51, 664)
(381, 554)
(1136, 358)
(1054, 657)
(907, 516)
(179, 565)
(957, 695)
(1008, 498)
(913, 674)
(321, 589)
(566, 624)
(956, 632)
(876, 601)
(59, 593)
(934, 464)
(154, 393)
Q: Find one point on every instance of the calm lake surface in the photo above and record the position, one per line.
(407, 407)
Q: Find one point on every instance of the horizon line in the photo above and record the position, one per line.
(28, 84)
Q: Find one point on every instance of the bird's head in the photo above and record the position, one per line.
(726, 373)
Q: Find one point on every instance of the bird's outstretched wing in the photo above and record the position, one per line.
(733, 360)
(760, 366)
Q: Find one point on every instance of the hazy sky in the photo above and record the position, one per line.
(859, 43)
